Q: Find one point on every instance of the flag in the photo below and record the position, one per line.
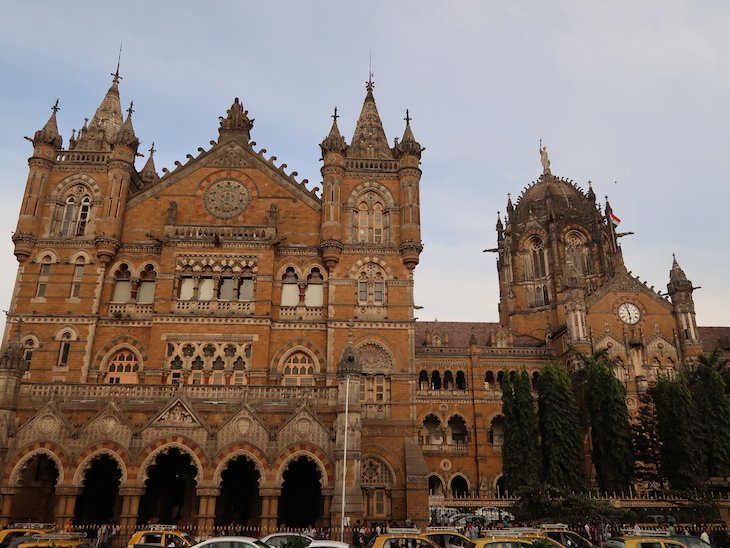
(615, 220)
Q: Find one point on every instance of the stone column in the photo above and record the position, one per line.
(130, 506)
(206, 509)
(66, 503)
(7, 493)
(269, 509)
(327, 500)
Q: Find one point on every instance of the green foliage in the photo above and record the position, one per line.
(545, 504)
(647, 446)
(610, 428)
(561, 444)
(682, 451)
(520, 453)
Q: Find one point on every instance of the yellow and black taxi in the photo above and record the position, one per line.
(54, 539)
(515, 538)
(401, 538)
(447, 537)
(560, 533)
(17, 530)
(160, 535)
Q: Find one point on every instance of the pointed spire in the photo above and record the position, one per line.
(149, 173)
(369, 140)
(125, 135)
(409, 145)
(510, 207)
(500, 226)
(48, 134)
(334, 142)
(101, 131)
(678, 279)
(591, 195)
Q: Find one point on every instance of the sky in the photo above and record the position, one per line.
(632, 96)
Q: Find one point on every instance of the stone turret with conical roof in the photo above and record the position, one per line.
(100, 133)
(680, 290)
(48, 134)
(333, 174)
(149, 173)
(409, 176)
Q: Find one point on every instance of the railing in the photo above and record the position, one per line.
(132, 309)
(245, 307)
(445, 448)
(301, 312)
(193, 232)
(367, 165)
(82, 156)
(152, 392)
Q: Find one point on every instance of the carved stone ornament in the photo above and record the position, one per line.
(243, 425)
(47, 425)
(304, 426)
(176, 415)
(107, 425)
(445, 464)
(374, 359)
(226, 198)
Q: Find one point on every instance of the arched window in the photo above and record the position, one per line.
(206, 285)
(435, 380)
(29, 345)
(83, 218)
(147, 284)
(459, 487)
(496, 431)
(298, 370)
(371, 286)
(370, 219)
(290, 288)
(489, 380)
(43, 274)
(122, 368)
(122, 284)
(314, 294)
(448, 380)
(457, 429)
(77, 278)
(435, 486)
(423, 383)
(460, 380)
(69, 214)
(535, 265)
(431, 431)
(576, 252)
(64, 349)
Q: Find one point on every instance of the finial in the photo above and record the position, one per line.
(335, 116)
(119, 60)
(152, 149)
(55, 108)
(407, 118)
(370, 84)
(130, 110)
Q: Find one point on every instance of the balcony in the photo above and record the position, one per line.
(445, 448)
(131, 310)
(237, 307)
(301, 313)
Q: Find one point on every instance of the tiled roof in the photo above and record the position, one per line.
(459, 334)
(715, 337)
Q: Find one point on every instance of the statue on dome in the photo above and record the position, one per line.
(544, 159)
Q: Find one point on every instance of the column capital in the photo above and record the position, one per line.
(68, 490)
(207, 491)
(131, 491)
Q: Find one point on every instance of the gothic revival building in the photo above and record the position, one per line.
(221, 343)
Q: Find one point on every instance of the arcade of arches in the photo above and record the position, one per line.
(171, 490)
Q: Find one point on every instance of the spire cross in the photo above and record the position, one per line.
(408, 118)
(119, 60)
(370, 84)
(130, 110)
(334, 116)
(55, 108)
(152, 148)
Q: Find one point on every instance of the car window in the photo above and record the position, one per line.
(574, 539)
(650, 545)
(503, 544)
(151, 538)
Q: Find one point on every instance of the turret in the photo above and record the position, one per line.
(46, 142)
(124, 146)
(149, 174)
(12, 368)
(333, 174)
(409, 176)
(680, 290)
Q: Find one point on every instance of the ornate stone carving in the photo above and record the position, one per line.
(226, 198)
(374, 358)
(243, 425)
(47, 425)
(177, 415)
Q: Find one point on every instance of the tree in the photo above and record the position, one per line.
(610, 428)
(520, 453)
(682, 451)
(559, 429)
(713, 405)
(647, 446)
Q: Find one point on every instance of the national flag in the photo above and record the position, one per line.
(615, 220)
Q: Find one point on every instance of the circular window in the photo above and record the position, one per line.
(226, 198)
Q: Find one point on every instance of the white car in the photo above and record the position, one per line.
(277, 540)
(231, 542)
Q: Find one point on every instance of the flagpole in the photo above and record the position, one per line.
(344, 457)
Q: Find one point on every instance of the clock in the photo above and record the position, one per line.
(629, 313)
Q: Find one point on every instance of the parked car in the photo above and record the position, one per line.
(690, 541)
(400, 540)
(160, 536)
(448, 539)
(17, 530)
(56, 540)
(231, 542)
(642, 542)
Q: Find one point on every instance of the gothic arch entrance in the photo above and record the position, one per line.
(98, 500)
(35, 498)
(301, 503)
(169, 495)
(239, 502)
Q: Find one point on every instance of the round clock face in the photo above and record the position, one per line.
(629, 313)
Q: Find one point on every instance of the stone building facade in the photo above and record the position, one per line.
(223, 344)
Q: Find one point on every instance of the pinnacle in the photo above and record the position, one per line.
(369, 140)
(48, 135)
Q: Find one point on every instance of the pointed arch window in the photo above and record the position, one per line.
(123, 368)
(370, 219)
(290, 288)
(147, 284)
(64, 349)
(78, 276)
(314, 293)
(298, 370)
(537, 261)
(43, 274)
(83, 219)
(122, 284)
(371, 288)
(576, 252)
(69, 212)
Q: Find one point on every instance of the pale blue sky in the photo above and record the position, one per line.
(631, 95)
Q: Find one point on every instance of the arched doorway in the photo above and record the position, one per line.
(239, 502)
(459, 487)
(97, 503)
(169, 496)
(435, 486)
(300, 503)
(35, 498)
